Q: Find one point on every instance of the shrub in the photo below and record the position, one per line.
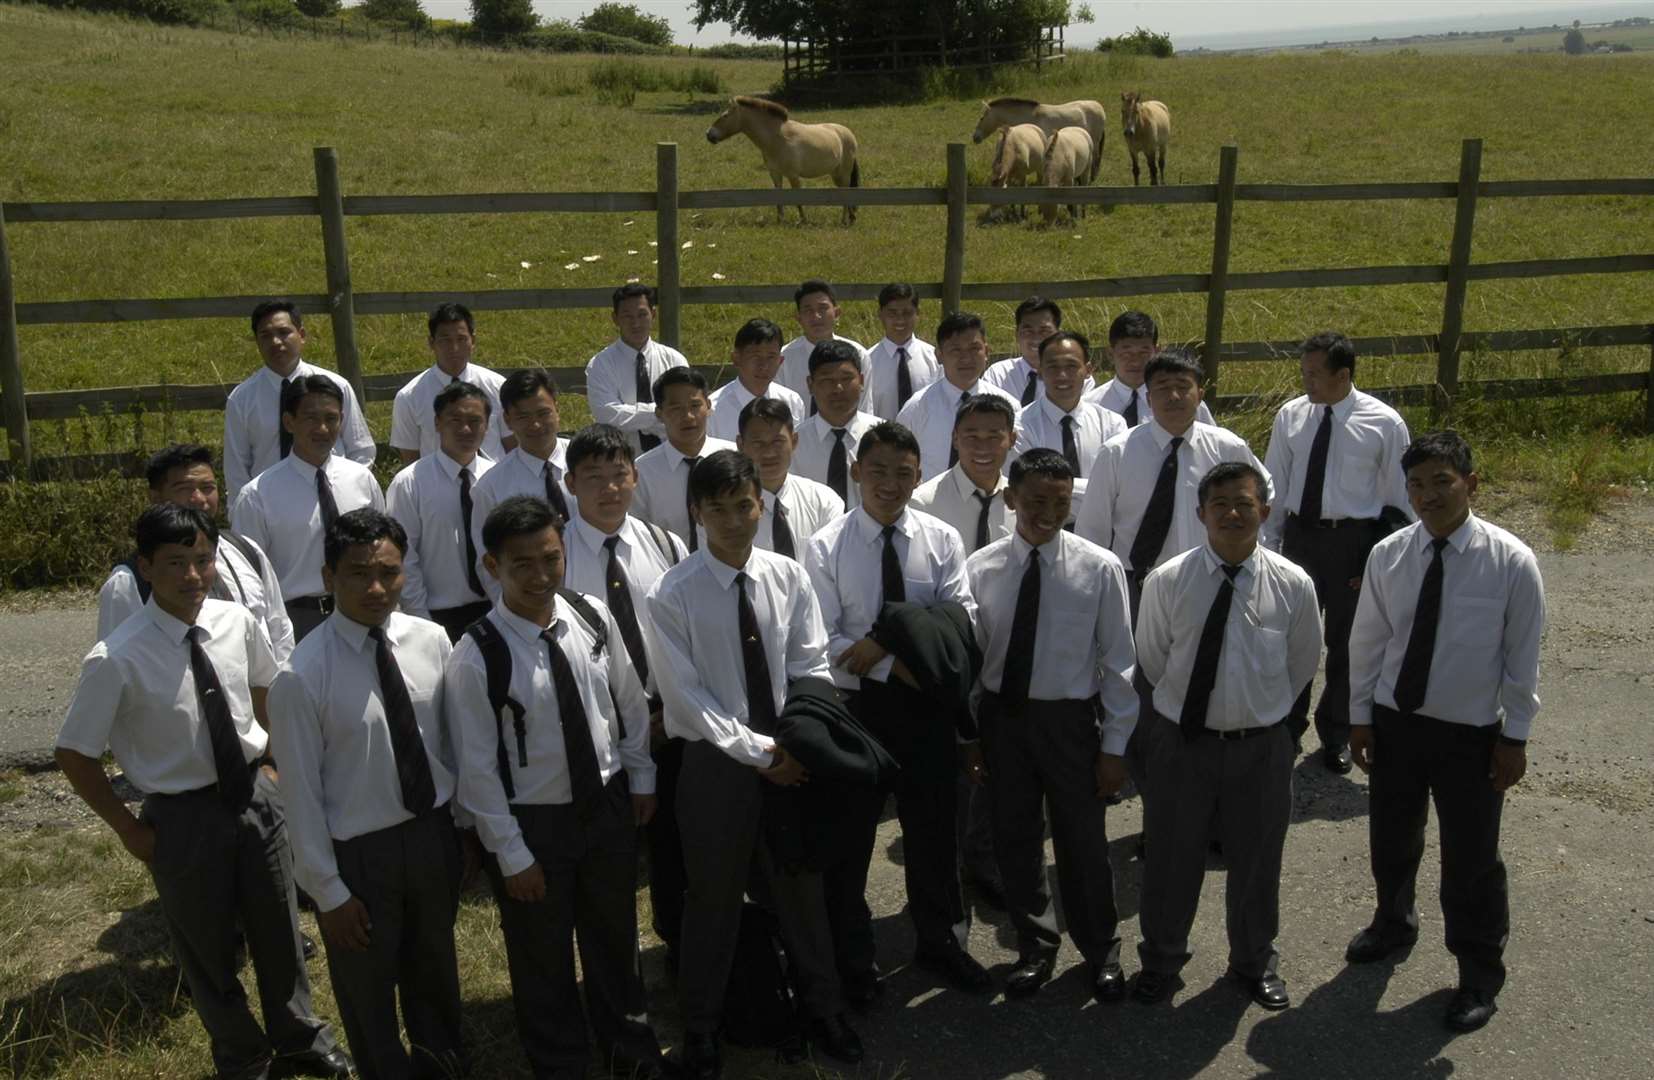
(732, 50)
(618, 82)
(625, 20)
(183, 12)
(268, 12)
(317, 9)
(406, 13)
(57, 533)
(503, 18)
(1139, 42)
(564, 37)
(1573, 42)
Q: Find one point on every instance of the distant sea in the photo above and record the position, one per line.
(1439, 24)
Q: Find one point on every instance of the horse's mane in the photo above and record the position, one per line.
(763, 105)
(1010, 101)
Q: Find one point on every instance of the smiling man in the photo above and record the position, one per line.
(818, 316)
(663, 473)
(452, 341)
(1060, 419)
(1133, 340)
(962, 348)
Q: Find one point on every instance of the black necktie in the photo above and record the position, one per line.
(1130, 414)
(987, 501)
(465, 526)
(1031, 389)
(1205, 673)
(285, 436)
(904, 379)
(760, 693)
(413, 770)
(1018, 673)
(953, 447)
(781, 534)
(554, 494)
(580, 754)
(645, 396)
(838, 466)
(1315, 475)
(1157, 518)
(619, 595)
(324, 498)
(689, 503)
(235, 779)
(890, 569)
(1070, 446)
(1414, 678)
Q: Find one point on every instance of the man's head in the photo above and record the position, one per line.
(681, 403)
(312, 411)
(1328, 366)
(523, 541)
(453, 336)
(984, 430)
(818, 310)
(1232, 507)
(768, 438)
(462, 415)
(962, 348)
(836, 380)
(178, 556)
(887, 470)
(1041, 492)
(634, 313)
(362, 557)
(727, 501)
(1441, 478)
(182, 474)
(278, 330)
(757, 354)
(898, 311)
(1133, 339)
(1068, 354)
(528, 398)
(1037, 319)
(1174, 383)
(602, 474)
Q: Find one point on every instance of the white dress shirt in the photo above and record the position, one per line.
(815, 451)
(1116, 395)
(845, 561)
(424, 497)
(1364, 472)
(1011, 375)
(252, 425)
(278, 511)
(136, 696)
(930, 414)
(694, 620)
(809, 507)
(605, 682)
(645, 551)
(729, 399)
(1485, 666)
(256, 590)
(795, 364)
(1082, 636)
(1121, 480)
(1040, 426)
(518, 473)
(952, 498)
(329, 733)
(413, 415)
(663, 485)
(1271, 641)
(879, 392)
(611, 386)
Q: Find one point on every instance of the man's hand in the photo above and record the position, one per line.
(657, 724)
(1361, 746)
(971, 763)
(786, 770)
(347, 926)
(470, 857)
(643, 808)
(1111, 774)
(139, 840)
(902, 672)
(859, 658)
(1509, 765)
(528, 887)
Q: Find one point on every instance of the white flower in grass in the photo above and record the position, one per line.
(571, 266)
(631, 251)
(712, 245)
(717, 277)
(590, 258)
(633, 278)
(624, 223)
(527, 265)
(654, 243)
(687, 244)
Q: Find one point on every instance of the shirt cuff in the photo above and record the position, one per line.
(880, 672)
(1515, 730)
(641, 781)
(515, 857)
(1361, 714)
(1116, 738)
(330, 894)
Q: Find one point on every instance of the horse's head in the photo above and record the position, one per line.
(727, 124)
(986, 124)
(1128, 110)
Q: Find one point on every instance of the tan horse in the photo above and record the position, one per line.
(1148, 128)
(792, 150)
(1020, 159)
(1005, 111)
(1069, 157)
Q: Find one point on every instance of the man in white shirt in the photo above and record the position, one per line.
(182, 474)
(931, 413)
(900, 365)
(1060, 419)
(734, 625)
(795, 509)
(432, 498)
(453, 338)
(535, 466)
(818, 315)
(827, 441)
(286, 509)
(1335, 456)
(1444, 681)
(756, 359)
(1133, 340)
(663, 473)
(1056, 708)
(254, 436)
(367, 780)
(1037, 318)
(556, 774)
(177, 694)
(1228, 634)
(620, 379)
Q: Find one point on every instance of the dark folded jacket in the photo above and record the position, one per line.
(938, 646)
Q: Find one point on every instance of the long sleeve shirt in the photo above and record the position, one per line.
(1116, 396)
(252, 425)
(1012, 374)
(795, 364)
(645, 552)
(1364, 473)
(279, 512)
(663, 485)
(930, 414)
(413, 415)
(1039, 425)
(424, 497)
(611, 386)
(809, 506)
(951, 498)
(729, 399)
(518, 473)
(814, 453)
(880, 396)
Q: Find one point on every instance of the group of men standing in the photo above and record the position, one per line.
(737, 621)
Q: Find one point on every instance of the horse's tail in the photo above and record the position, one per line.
(855, 173)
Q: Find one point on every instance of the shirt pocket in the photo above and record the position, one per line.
(1071, 650)
(918, 590)
(1266, 657)
(1358, 475)
(1477, 623)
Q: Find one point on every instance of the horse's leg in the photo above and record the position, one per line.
(797, 182)
(780, 214)
(1162, 164)
(1134, 172)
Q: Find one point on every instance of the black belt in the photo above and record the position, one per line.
(1329, 523)
(1241, 733)
(323, 604)
(210, 789)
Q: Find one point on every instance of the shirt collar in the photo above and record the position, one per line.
(1048, 551)
(722, 572)
(444, 379)
(1053, 412)
(871, 530)
(1214, 563)
(675, 456)
(300, 370)
(591, 535)
(304, 468)
(964, 485)
(628, 351)
(355, 634)
(1163, 438)
(527, 631)
(452, 467)
(1458, 540)
(772, 497)
(175, 629)
(1341, 411)
(908, 344)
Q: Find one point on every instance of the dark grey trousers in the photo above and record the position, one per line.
(215, 870)
(408, 877)
(1332, 558)
(720, 805)
(1245, 785)
(974, 832)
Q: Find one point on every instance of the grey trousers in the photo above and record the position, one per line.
(408, 877)
(974, 832)
(214, 869)
(1247, 785)
(1048, 752)
(719, 808)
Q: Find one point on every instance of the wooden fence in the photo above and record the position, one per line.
(342, 303)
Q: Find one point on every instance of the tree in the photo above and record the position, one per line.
(1573, 43)
(625, 20)
(397, 13)
(873, 21)
(318, 9)
(503, 17)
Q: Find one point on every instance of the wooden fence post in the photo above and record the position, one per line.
(11, 368)
(1648, 402)
(953, 256)
(341, 301)
(1217, 287)
(1458, 268)
(668, 283)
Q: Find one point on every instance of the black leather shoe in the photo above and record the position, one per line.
(1372, 945)
(335, 1063)
(1108, 985)
(793, 1049)
(1267, 990)
(837, 1039)
(308, 944)
(957, 966)
(1152, 987)
(862, 990)
(1469, 1010)
(987, 890)
(1031, 973)
(1336, 758)
(699, 1059)
(621, 1063)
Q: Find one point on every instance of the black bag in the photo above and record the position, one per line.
(760, 1008)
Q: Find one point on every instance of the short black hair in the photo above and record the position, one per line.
(176, 456)
(1448, 446)
(1225, 472)
(1340, 350)
(989, 404)
(898, 290)
(834, 351)
(681, 375)
(1068, 335)
(362, 526)
(888, 433)
(812, 285)
(1035, 304)
(763, 408)
(459, 391)
(452, 311)
(1040, 461)
(1133, 324)
(631, 289)
(524, 384)
(1173, 362)
(757, 332)
(598, 442)
(955, 323)
(168, 523)
(266, 308)
(305, 385)
(726, 472)
(520, 515)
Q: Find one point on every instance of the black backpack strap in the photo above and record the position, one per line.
(496, 660)
(594, 622)
(137, 578)
(248, 551)
(663, 540)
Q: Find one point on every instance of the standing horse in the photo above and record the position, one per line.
(1005, 111)
(1019, 159)
(1148, 128)
(1069, 157)
(792, 150)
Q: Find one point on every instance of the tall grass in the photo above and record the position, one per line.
(618, 82)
